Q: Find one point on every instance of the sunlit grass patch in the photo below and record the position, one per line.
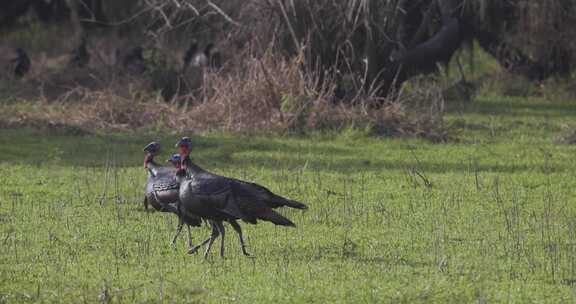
(488, 218)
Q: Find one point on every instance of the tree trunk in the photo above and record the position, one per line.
(75, 19)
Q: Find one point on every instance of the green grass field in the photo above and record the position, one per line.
(490, 217)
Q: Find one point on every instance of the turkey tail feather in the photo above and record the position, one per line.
(276, 218)
(295, 204)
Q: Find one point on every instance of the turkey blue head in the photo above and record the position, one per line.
(175, 160)
(152, 148)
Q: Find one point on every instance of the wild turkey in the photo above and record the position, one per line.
(218, 198)
(21, 63)
(207, 58)
(189, 220)
(162, 190)
(176, 161)
(80, 56)
(189, 55)
(160, 194)
(133, 62)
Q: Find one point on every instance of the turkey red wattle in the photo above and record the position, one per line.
(184, 154)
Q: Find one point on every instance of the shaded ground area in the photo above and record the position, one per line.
(491, 125)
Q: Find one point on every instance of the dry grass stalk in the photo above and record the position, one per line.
(266, 94)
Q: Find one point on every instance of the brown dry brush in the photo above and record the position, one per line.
(301, 52)
(546, 31)
(267, 94)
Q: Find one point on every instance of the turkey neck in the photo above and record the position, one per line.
(150, 164)
(191, 168)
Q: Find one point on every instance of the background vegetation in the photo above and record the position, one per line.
(287, 66)
(454, 185)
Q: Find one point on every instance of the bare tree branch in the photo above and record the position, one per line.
(221, 12)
